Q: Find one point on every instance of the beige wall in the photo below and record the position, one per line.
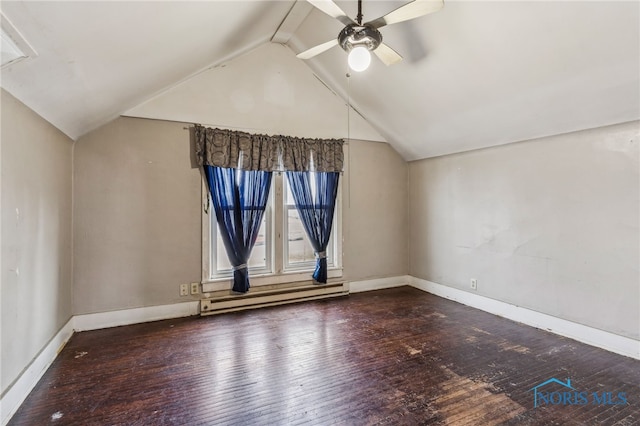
(550, 225)
(375, 212)
(137, 215)
(36, 235)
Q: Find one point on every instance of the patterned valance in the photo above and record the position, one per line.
(245, 151)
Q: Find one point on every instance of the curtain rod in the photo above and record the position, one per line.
(244, 129)
(224, 126)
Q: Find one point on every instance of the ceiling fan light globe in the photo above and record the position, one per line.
(359, 59)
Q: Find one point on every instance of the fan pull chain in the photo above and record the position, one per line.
(348, 107)
(349, 134)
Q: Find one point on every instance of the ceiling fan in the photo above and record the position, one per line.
(359, 39)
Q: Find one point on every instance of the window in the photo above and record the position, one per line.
(260, 260)
(298, 252)
(282, 252)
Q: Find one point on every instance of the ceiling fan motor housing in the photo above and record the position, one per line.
(355, 35)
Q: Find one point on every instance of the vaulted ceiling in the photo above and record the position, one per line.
(474, 74)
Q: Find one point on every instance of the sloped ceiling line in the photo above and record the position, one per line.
(297, 14)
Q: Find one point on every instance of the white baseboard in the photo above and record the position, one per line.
(134, 316)
(582, 333)
(21, 388)
(378, 283)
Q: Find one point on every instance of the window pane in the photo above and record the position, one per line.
(258, 257)
(288, 200)
(222, 258)
(300, 250)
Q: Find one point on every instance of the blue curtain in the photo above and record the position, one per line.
(316, 207)
(239, 199)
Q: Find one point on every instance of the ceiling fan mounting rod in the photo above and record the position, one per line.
(359, 17)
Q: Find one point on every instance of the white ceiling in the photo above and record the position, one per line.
(97, 59)
(267, 90)
(475, 74)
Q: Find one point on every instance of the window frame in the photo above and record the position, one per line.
(280, 271)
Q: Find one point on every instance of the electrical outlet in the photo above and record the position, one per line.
(184, 289)
(195, 288)
(474, 284)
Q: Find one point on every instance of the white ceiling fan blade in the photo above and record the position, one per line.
(409, 11)
(310, 53)
(387, 55)
(332, 9)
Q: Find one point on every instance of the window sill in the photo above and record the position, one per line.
(225, 283)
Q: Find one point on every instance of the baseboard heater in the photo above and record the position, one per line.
(270, 296)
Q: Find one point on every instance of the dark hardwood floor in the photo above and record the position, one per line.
(397, 356)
